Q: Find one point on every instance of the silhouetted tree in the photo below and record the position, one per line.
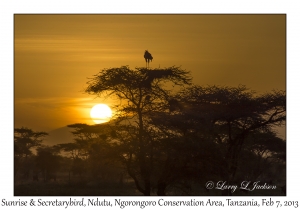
(91, 152)
(25, 141)
(187, 152)
(217, 132)
(142, 92)
(262, 152)
(231, 114)
(168, 140)
(48, 162)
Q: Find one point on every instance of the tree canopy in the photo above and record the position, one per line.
(187, 130)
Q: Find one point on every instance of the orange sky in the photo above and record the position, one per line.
(55, 54)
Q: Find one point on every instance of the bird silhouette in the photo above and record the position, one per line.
(147, 57)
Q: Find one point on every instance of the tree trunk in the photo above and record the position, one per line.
(161, 187)
(144, 167)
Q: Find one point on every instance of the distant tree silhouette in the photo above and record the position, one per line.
(25, 141)
(91, 152)
(48, 162)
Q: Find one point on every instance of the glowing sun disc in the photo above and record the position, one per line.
(100, 113)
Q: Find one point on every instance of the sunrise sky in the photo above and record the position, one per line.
(54, 55)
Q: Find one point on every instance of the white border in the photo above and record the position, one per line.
(9, 8)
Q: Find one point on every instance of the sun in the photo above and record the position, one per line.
(100, 113)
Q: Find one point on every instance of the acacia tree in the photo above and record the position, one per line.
(231, 115)
(90, 151)
(141, 92)
(262, 151)
(25, 140)
(188, 154)
(48, 162)
(221, 131)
